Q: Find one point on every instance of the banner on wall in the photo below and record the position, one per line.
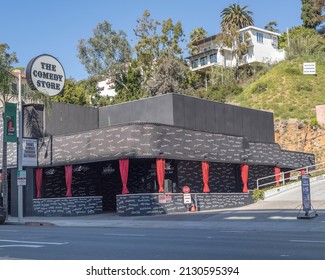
(10, 122)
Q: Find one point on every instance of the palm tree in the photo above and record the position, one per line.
(195, 36)
(235, 15)
(271, 26)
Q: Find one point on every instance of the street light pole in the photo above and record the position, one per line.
(20, 148)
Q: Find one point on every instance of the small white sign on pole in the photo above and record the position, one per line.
(310, 68)
(187, 198)
(21, 177)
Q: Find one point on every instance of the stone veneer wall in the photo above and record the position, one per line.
(69, 206)
(154, 204)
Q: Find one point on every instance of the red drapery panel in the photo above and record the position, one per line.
(277, 172)
(244, 176)
(160, 164)
(205, 175)
(124, 171)
(38, 179)
(68, 179)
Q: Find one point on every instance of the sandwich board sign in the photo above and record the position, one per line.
(305, 188)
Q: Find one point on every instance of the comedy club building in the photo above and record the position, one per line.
(136, 157)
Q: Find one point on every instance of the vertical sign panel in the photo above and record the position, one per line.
(305, 188)
(10, 122)
(29, 156)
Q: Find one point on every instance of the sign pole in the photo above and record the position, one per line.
(19, 151)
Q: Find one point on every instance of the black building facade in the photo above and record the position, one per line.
(90, 146)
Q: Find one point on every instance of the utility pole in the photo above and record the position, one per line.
(20, 149)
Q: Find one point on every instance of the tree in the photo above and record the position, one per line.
(157, 47)
(236, 15)
(271, 26)
(170, 76)
(235, 41)
(132, 81)
(196, 35)
(172, 35)
(311, 13)
(105, 54)
(147, 47)
(74, 93)
(304, 42)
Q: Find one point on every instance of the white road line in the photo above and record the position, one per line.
(22, 245)
(282, 218)
(126, 234)
(232, 231)
(308, 241)
(240, 218)
(33, 242)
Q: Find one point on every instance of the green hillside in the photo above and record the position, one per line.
(286, 91)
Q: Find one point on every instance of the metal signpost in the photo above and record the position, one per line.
(306, 200)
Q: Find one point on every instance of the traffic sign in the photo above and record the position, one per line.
(21, 177)
(186, 189)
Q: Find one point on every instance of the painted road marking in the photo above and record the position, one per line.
(21, 245)
(240, 218)
(282, 218)
(125, 234)
(308, 241)
(34, 242)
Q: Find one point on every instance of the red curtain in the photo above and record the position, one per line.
(205, 174)
(39, 175)
(277, 172)
(124, 171)
(160, 164)
(68, 179)
(244, 176)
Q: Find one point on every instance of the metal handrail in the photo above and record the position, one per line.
(311, 169)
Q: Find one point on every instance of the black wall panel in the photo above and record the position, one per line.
(68, 118)
(229, 120)
(210, 117)
(190, 112)
(178, 110)
(219, 111)
(200, 116)
(249, 123)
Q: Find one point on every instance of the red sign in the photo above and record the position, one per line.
(186, 189)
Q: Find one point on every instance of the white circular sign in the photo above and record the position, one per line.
(45, 74)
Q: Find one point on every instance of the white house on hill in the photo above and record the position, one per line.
(106, 88)
(262, 47)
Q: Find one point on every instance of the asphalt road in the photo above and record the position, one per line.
(71, 243)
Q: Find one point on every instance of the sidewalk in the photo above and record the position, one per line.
(239, 219)
(275, 213)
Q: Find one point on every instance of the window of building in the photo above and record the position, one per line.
(213, 57)
(195, 63)
(259, 37)
(204, 60)
(275, 41)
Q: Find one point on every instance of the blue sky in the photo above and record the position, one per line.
(35, 27)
